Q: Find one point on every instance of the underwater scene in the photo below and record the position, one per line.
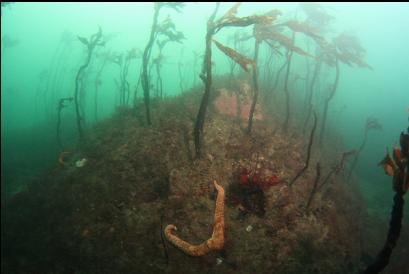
(190, 137)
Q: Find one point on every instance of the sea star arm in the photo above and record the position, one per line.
(192, 250)
(216, 242)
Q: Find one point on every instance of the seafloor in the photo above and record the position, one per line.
(108, 216)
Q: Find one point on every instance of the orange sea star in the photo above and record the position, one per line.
(61, 159)
(216, 242)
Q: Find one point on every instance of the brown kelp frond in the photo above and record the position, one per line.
(316, 13)
(167, 28)
(240, 59)
(94, 40)
(111, 56)
(350, 59)
(285, 41)
(299, 51)
(175, 36)
(349, 43)
(272, 33)
(134, 53)
(165, 25)
(320, 41)
(96, 37)
(177, 6)
(349, 50)
(229, 19)
(231, 13)
(276, 36)
(397, 165)
(83, 40)
(345, 48)
(303, 27)
(267, 26)
(372, 124)
(243, 21)
(388, 165)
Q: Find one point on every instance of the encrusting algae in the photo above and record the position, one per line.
(216, 242)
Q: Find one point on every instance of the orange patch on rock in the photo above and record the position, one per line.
(85, 233)
(230, 104)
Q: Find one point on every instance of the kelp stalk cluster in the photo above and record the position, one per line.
(91, 43)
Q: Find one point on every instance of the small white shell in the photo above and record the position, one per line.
(249, 228)
(81, 163)
(219, 261)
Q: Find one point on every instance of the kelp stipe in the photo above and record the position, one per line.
(398, 168)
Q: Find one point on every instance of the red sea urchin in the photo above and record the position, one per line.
(248, 191)
(251, 178)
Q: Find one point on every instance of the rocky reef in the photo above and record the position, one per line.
(109, 215)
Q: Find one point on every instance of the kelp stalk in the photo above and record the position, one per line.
(338, 168)
(60, 107)
(315, 187)
(255, 86)
(278, 75)
(317, 70)
(287, 93)
(371, 123)
(206, 77)
(97, 83)
(328, 99)
(307, 160)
